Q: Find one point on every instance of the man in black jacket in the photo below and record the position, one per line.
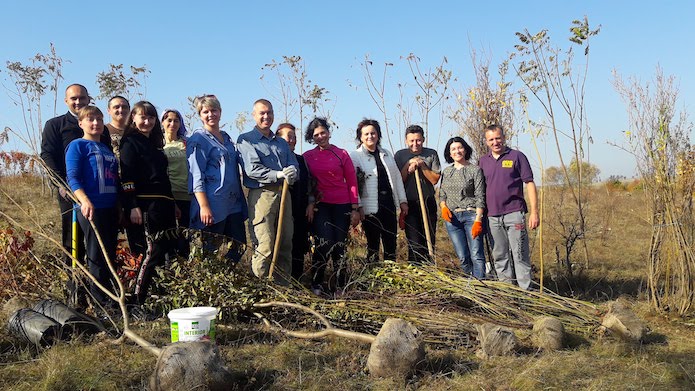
(57, 134)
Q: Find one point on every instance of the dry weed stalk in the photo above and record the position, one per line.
(659, 140)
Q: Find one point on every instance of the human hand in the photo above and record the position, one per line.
(87, 209)
(136, 216)
(310, 213)
(404, 208)
(177, 212)
(354, 218)
(533, 220)
(290, 172)
(477, 229)
(206, 216)
(446, 214)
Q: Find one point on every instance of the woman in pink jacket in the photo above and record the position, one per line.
(334, 206)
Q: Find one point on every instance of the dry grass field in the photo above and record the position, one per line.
(618, 239)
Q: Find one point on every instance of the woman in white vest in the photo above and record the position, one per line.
(381, 191)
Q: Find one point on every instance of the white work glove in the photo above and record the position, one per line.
(290, 173)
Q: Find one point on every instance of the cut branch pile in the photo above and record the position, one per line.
(445, 306)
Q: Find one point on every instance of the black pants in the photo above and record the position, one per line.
(158, 218)
(381, 227)
(415, 230)
(331, 224)
(300, 244)
(106, 223)
(182, 243)
(231, 227)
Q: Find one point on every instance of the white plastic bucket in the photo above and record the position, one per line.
(192, 323)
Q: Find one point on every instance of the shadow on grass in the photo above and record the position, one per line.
(589, 288)
(446, 364)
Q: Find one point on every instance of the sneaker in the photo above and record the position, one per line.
(317, 290)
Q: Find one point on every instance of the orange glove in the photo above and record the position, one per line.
(477, 229)
(401, 221)
(446, 214)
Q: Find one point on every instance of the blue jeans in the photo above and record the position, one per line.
(470, 251)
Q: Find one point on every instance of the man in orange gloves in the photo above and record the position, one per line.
(506, 172)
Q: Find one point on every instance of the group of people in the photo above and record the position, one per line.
(149, 174)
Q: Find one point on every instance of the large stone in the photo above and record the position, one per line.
(397, 350)
(621, 321)
(496, 341)
(190, 366)
(548, 333)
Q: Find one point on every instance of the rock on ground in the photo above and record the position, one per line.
(621, 321)
(190, 366)
(548, 333)
(397, 350)
(496, 341)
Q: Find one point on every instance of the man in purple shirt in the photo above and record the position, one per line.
(506, 171)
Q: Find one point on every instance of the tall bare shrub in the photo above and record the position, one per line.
(659, 138)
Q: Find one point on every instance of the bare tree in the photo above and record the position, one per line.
(551, 76)
(433, 86)
(295, 91)
(117, 81)
(483, 104)
(30, 82)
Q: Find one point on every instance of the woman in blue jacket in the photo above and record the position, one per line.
(218, 205)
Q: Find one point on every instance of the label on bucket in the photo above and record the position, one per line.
(192, 324)
(174, 331)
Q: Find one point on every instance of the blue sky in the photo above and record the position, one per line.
(220, 47)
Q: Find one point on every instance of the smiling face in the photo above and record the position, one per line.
(118, 110)
(457, 152)
(322, 137)
(171, 124)
(76, 97)
(414, 142)
(93, 126)
(495, 141)
(263, 115)
(369, 137)
(143, 122)
(210, 117)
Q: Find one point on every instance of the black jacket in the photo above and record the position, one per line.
(57, 134)
(143, 170)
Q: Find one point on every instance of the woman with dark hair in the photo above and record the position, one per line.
(177, 169)
(334, 204)
(299, 192)
(92, 173)
(381, 191)
(462, 199)
(218, 205)
(147, 197)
